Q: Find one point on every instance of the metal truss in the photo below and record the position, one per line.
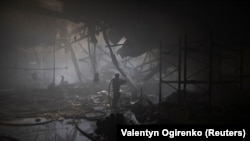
(213, 57)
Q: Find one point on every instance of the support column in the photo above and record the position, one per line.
(179, 69)
(241, 68)
(185, 67)
(74, 60)
(210, 67)
(54, 65)
(160, 70)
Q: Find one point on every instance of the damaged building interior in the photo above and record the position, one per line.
(182, 62)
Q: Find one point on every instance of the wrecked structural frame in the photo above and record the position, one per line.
(183, 80)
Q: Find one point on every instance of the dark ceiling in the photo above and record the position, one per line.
(25, 23)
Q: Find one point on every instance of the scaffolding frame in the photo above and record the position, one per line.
(184, 51)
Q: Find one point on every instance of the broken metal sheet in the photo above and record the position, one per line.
(25, 121)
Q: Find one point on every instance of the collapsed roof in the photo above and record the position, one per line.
(143, 23)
